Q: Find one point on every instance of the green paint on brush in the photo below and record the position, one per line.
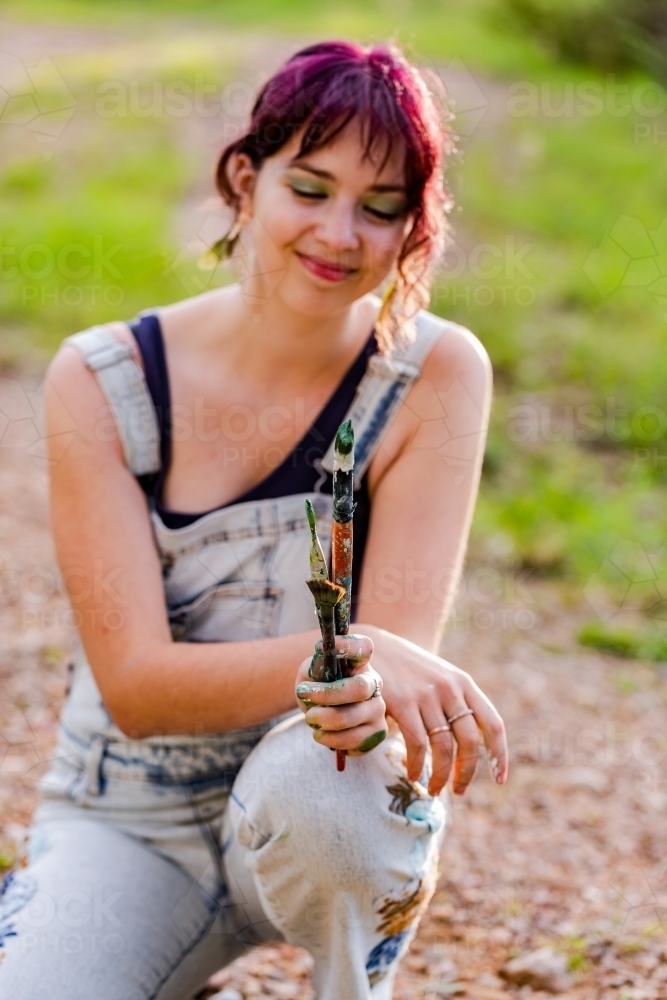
(344, 446)
(318, 563)
(327, 595)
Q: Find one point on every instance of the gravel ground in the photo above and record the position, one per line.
(568, 856)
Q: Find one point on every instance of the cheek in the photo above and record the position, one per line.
(383, 250)
(279, 220)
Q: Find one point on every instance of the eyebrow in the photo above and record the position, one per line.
(325, 175)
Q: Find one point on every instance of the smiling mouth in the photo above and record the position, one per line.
(324, 268)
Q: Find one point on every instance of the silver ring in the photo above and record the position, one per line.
(378, 690)
(460, 715)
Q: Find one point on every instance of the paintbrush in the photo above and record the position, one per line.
(343, 511)
(327, 595)
(318, 563)
(341, 538)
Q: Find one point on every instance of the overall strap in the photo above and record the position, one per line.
(124, 386)
(383, 388)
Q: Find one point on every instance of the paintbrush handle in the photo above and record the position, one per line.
(329, 645)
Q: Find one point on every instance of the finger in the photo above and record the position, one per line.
(359, 687)
(416, 742)
(352, 650)
(347, 716)
(359, 740)
(467, 752)
(442, 751)
(493, 730)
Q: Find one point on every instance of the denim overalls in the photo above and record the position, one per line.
(178, 852)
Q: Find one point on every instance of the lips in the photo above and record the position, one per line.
(324, 268)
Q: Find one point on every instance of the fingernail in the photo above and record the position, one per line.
(305, 689)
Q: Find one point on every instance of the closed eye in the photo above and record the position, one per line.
(385, 216)
(306, 193)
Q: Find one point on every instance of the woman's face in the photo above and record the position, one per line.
(325, 229)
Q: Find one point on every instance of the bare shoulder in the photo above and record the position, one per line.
(451, 398)
(457, 353)
(73, 398)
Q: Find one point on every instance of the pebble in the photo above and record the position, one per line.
(543, 969)
(227, 994)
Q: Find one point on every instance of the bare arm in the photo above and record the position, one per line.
(423, 499)
(112, 574)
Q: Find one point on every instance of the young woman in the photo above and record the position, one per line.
(190, 811)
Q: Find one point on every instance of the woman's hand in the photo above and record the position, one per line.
(348, 714)
(422, 692)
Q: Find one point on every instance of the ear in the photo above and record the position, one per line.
(243, 177)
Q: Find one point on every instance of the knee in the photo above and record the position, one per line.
(348, 827)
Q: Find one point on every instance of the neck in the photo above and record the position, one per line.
(276, 343)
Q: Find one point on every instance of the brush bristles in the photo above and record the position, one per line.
(344, 438)
(326, 593)
(310, 514)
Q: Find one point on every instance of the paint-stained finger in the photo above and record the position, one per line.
(360, 740)
(346, 716)
(360, 687)
(351, 647)
(354, 651)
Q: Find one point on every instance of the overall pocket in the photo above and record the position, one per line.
(227, 612)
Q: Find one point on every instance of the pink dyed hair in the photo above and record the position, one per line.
(317, 92)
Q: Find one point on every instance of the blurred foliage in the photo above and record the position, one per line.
(626, 643)
(609, 35)
(560, 262)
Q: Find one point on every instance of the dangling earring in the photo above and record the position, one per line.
(224, 247)
(387, 302)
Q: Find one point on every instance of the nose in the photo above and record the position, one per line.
(336, 228)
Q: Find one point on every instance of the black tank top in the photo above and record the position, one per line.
(298, 473)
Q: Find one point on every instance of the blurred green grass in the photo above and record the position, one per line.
(561, 268)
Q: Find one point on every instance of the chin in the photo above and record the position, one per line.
(315, 300)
